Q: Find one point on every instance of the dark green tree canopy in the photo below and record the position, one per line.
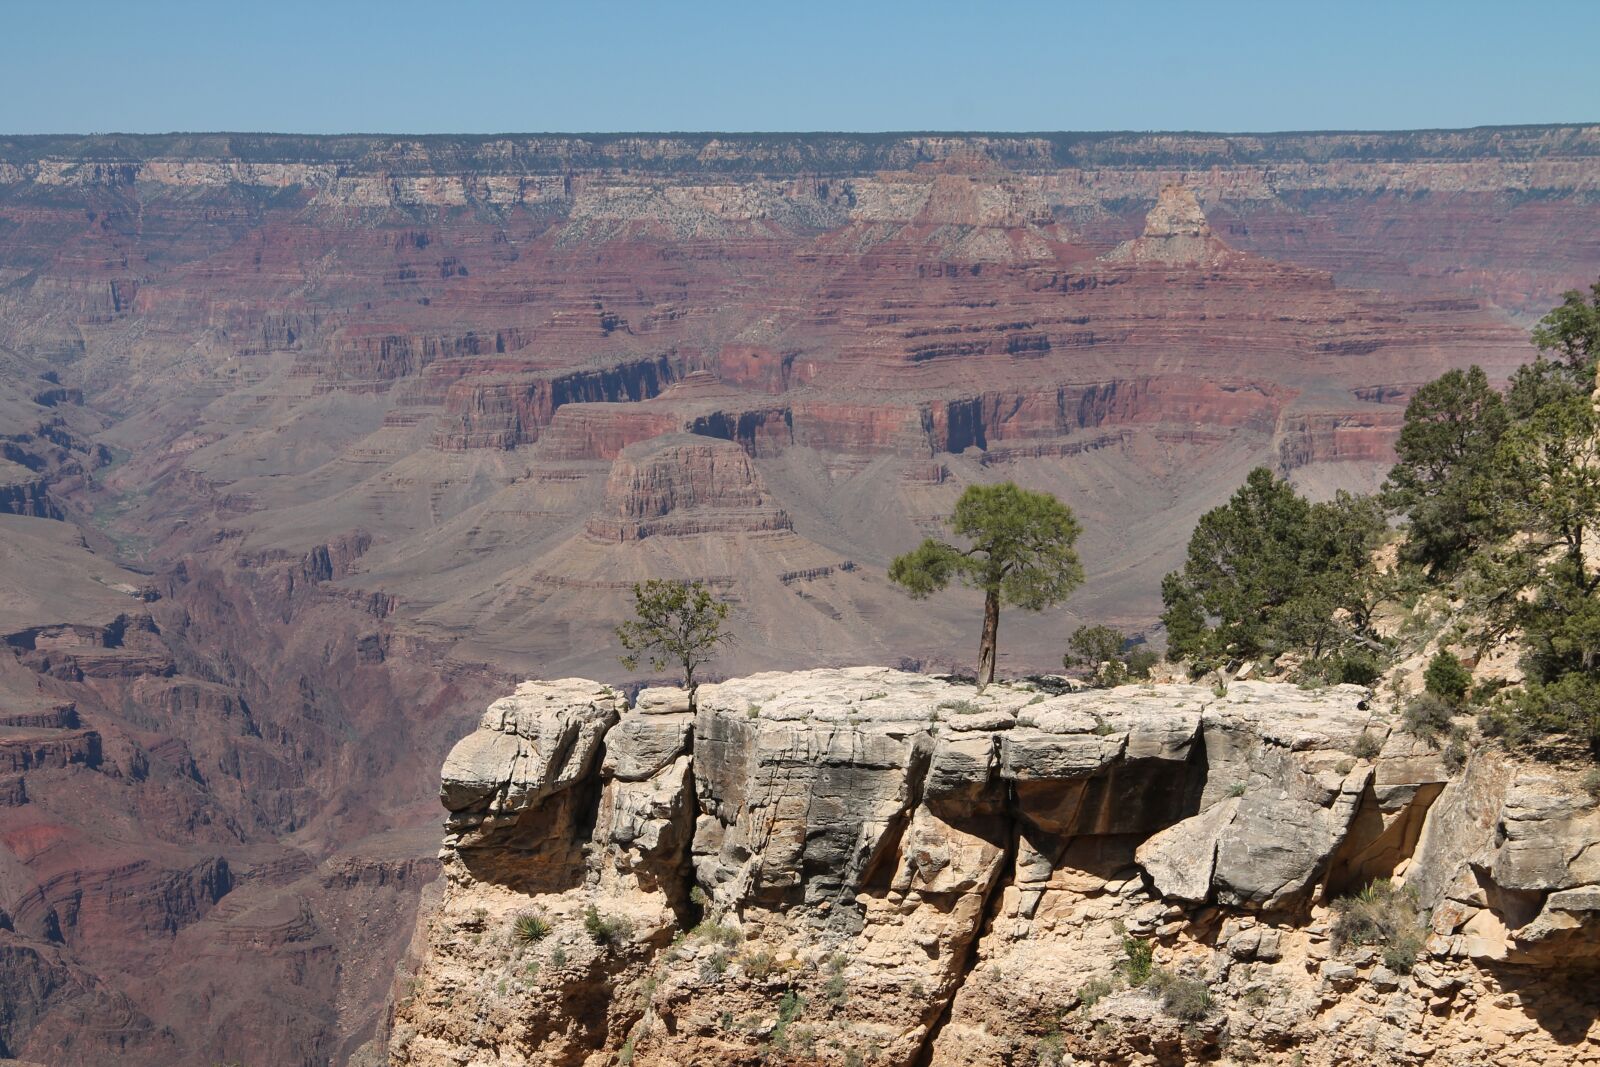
(1019, 551)
(1572, 332)
(1021, 548)
(1502, 501)
(1268, 572)
(1445, 475)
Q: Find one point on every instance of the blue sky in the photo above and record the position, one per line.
(477, 67)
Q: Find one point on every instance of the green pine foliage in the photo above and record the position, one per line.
(1107, 656)
(1500, 497)
(1446, 678)
(1270, 572)
(1019, 551)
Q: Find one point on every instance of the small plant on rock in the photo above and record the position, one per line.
(1446, 678)
(1094, 990)
(836, 990)
(1183, 998)
(1367, 746)
(715, 965)
(760, 965)
(716, 933)
(530, 927)
(1384, 916)
(790, 1005)
(1427, 716)
(1140, 956)
(605, 930)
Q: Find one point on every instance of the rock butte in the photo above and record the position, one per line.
(309, 446)
(937, 875)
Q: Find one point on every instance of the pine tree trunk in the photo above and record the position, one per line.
(991, 631)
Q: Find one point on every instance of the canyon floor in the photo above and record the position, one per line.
(311, 447)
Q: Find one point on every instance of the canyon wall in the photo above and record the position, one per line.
(867, 866)
(309, 445)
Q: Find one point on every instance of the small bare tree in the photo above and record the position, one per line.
(674, 623)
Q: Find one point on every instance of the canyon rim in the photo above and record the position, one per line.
(313, 448)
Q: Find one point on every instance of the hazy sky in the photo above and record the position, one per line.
(402, 66)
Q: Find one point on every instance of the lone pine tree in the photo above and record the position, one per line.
(1020, 551)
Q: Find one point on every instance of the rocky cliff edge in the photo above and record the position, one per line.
(867, 866)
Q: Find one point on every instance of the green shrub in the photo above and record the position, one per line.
(835, 990)
(1051, 1051)
(605, 930)
(1141, 661)
(1093, 990)
(529, 927)
(558, 958)
(804, 1040)
(1367, 746)
(625, 1053)
(1097, 650)
(1427, 715)
(1446, 678)
(1183, 998)
(715, 965)
(1382, 916)
(790, 1005)
(1140, 954)
(961, 707)
(716, 933)
(760, 965)
(1591, 782)
(1353, 667)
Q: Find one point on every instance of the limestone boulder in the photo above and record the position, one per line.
(540, 740)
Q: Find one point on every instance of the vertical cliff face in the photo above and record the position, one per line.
(864, 866)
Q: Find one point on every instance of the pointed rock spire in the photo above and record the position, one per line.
(1177, 214)
(1175, 232)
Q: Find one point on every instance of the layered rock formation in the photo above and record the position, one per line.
(381, 423)
(867, 866)
(164, 854)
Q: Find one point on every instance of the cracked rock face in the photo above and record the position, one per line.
(863, 865)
